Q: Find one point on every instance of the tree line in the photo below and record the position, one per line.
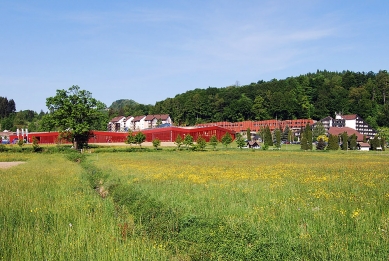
(311, 96)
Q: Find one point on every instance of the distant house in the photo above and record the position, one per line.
(353, 121)
(340, 130)
(117, 124)
(128, 124)
(138, 123)
(364, 146)
(152, 121)
(253, 145)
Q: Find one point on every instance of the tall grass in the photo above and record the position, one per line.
(184, 205)
(265, 205)
(49, 212)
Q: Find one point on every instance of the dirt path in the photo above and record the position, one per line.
(6, 165)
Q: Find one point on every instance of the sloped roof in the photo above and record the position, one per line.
(129, 117)
(349, 117)
(116, 119)
(364, 144)
(162, 116)
(138, 118)
(326, 118)
(151, 117)
(339, 130)
(252, 143)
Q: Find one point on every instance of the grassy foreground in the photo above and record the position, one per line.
(49, 212)
(182, 205)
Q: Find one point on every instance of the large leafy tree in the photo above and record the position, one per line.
(74, 110)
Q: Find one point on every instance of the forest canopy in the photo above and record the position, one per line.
(313, 95)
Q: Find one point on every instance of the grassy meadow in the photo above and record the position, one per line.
(185, 205)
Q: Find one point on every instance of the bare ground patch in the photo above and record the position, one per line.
(5, 165)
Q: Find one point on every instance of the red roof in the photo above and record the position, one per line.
(151, 117)
(349, 117)
(339, 130)
(118, 118)
(138, 118)
(129, 117)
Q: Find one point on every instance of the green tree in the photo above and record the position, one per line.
(290, 136)
(318, 130)
(201, 143)
(321, 145)
(139, 138)
(35, 145)
(20, 143)
(130, 138)
(240, 141)
(267, 138)
(353, 142)
(383, 143)
(306, 140)
(333, 142)
(188, 141)
(75, 110)
(277, 135)
(383, 84)
(178, 141)
(226, 139)
(375, 143)
(156, 143)
(285, 133)
(213, 141)
(344, 138)
(304, 143)
(248, 134)
(259, 110)
(309, 136)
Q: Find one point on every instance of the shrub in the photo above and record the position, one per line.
(75, 156)
(321, 145)
(156, 143)
(201, 143)
(35, 145)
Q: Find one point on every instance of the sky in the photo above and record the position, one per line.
(148, 51)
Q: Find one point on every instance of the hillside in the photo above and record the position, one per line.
(313, 95)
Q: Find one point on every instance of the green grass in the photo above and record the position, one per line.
(184, 205)
(48, 212)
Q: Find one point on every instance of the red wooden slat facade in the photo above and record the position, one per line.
(256, 126)
(168, 134)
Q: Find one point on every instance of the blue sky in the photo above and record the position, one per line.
(151, 50)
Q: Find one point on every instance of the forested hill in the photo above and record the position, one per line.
(314, 95)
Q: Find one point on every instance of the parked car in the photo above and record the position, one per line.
(5, 142)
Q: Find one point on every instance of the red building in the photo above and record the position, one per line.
(163, 134)
(256, 126)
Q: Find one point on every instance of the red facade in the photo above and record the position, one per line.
(163, 134)
(258, 125)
